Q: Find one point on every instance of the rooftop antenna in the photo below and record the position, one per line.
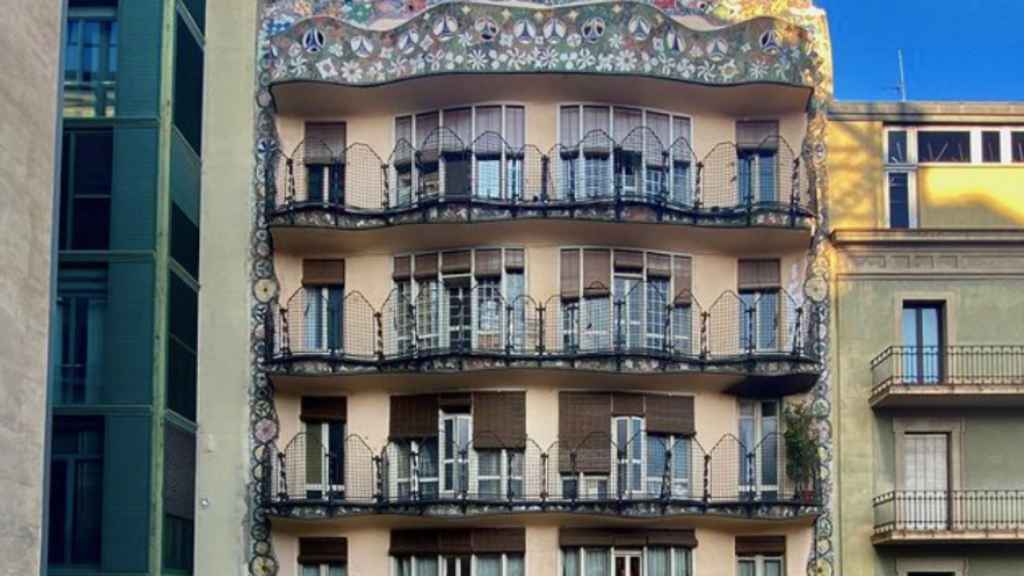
(901, 86)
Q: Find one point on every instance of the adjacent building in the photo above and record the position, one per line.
(514, 289)
(925, 208)
(123, 395)
(28, 108)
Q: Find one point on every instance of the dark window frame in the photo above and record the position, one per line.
(65, 554)
(919, 354)
(104, 86)
(929, 150)
(72, 181)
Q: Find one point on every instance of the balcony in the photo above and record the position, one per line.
(305, 481)
(980, 375)
(638, 179)
(752, 342)
(961, 516)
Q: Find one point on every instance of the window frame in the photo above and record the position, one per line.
(323, 568)
(77, 425)
(581, 551)
(976, 151)
(102, 14)
(760, 560)
(578, 163)
(759, 487)
(325, 487)
(942, 336)
(911, 198)
(442, 568)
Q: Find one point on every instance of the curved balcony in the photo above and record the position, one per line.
(971, 375)
(764, 340)
(591, 476)
(636, 179)
(324, 44)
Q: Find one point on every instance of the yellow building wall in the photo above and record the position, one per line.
(856, 174)
(974, 196)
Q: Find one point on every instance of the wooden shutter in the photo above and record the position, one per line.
(460, 403)
(597, 272)
(659, 266)
(682, 277)
(488, 263)
(324, 408)
(629, 261)
(760, 545)
(759, 275)
(584, 425)
(633, 537)
(413, 417)
(570, 274)
(323, 550)
(515, 259)
(325, 142)
(670, 415)
(455, 542)
(625, 404)
(323, 272)
(403, 268)
(499, 420)
(456, 262)
(757, 135)
(458, 541)
(426, 266)
(411, 542)
(499, 540)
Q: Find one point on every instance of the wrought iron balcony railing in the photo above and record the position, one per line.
(644, 322)
(648, 475)
(636, 178)
(950, 510)
(950, 366)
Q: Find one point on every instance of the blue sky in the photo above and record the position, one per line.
(953, 50)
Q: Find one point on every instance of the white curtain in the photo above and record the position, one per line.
(596, 562)
(426, 566)
(570, 562)
(657, 562)
(336, 570)
(773, 568)
(488, 566)
(682, 567)
(514, 565)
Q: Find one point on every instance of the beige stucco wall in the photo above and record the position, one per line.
(222, 471)
(30, 57)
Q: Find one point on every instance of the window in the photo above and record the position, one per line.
(897, 143)
(325, 459)
(898, 192)
(623, 150)
(179, 535)
(332, 569)
(87, 176)
(322, 315)
(759, 448)
(629, 442)
(760, 566)
(458, 152)
(923, 327)
(184, 241)
(658, 561)
(1017, 146)
(76, 491)
(182, 346)
(944, 146)
(456, 431)
(497, 470)
(507, 564)
(991, 147)
(188, 85)
(668, 465)
(757, 145)
(90, 60)
(82, 307)
(926, 470)
(759, 320)
(324, 155)
(416, 470)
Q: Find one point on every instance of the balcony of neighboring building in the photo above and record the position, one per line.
(949, 517)
(936, 376)
(472, 455)
(612, 311)
(530, 167)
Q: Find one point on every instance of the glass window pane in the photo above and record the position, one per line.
(682, 562)
(596, 562)
(1017, 146)
(773, 567)
(488, 565)
(946, 146)
(426, 566)
(991, 147)
(657, 561)
(898, 147)
(310, 570)
(336, 570)
(514, 565)
(570, 562)
(746, 568)
(899, 200)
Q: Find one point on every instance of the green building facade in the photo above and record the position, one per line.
(123, 386)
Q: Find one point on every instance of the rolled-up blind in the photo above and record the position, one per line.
(682, 277)
(629, 261)
(759, 275)
(569, 129)
(325, 142)
(426, 265)
(426, 125)
(757, 135)
(670, 415)
(403, 268)
(456, 402)
(570, 274)
(659, 266)
(604, 537)
(460, 122)
(322, 550)
(596, 138)
(487, 263)
(323, 272)
(597, 272)
(584, 426)
(515, 259)
(498, 540)
(499, 420)
(760, 545)
(626, 404)
(488, 119)
(456, 262)
(626, 121)
(324, 408)
(515, 126)
(458, 541)
(413, 417)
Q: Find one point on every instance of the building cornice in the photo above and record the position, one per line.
(929, 112)
(931, 237)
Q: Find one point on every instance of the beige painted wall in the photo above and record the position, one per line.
(714, 555)
(30, 57)
(222, 470)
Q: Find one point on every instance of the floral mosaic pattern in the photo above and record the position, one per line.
(603, 38)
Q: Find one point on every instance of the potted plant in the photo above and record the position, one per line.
(801, 438)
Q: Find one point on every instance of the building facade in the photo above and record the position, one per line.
(29, 51)
(925, 206)
(123, 395)
(515, 289)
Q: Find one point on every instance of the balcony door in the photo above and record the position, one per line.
(628, 563)
(923, 326)
(925, 502)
